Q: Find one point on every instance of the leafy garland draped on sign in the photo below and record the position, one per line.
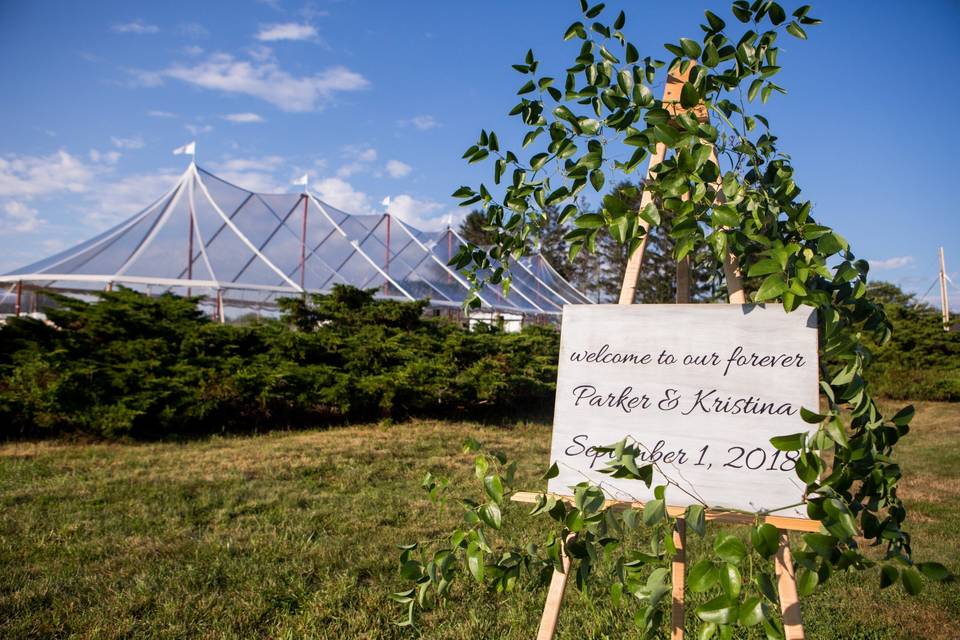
(602, 116)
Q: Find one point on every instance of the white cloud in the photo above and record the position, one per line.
(161, 114)
(138, 27)
(416, 213)
(17, 217)
(397, 169)
(891, 263)
(423, 123)
(136, 142)
(198, 129)
(104, 157)
(256, 174)
(267, 81)
(192, 50)
(242, 118)
(262, 53)
(142, 78)
(341, 194)
(193, 30)
(286, 31)
(115, 201)
(360, 157)
(24, 176)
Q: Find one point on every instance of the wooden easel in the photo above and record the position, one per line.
(783, 564)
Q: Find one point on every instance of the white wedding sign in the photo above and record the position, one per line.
(702, 387)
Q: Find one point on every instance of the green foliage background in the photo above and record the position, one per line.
(141, 367)
(132, 365)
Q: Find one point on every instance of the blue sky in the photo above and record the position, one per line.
(379, 99)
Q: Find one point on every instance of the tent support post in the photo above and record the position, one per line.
(220, 315)
(19, 304)
(190, 250)
(386, 264)
(303, 242)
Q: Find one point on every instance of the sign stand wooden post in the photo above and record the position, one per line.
(783, 565)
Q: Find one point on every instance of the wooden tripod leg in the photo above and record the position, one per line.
(684, 273)
(628, 290)
(677, 570)
(787, 588)
(551, 610)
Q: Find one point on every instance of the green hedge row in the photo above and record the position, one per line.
(149, 367)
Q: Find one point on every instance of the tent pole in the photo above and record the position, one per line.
(19, 304)
(386, 267)
(303, 242)
(944, 304)
(220, 315)
(449, 252)
(190, 249)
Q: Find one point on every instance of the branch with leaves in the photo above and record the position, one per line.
(606, 120)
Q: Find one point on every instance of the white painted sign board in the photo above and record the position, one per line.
(703, 387)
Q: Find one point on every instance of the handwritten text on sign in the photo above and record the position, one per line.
(702, 387)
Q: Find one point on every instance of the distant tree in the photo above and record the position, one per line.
(474, 229)
(890, 294)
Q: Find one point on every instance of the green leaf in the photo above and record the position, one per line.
(716, 23)
(764, 267)
(765, 540)
(792, 442)
(475, 561)
(590, 221)
(776, 13)
(934, 571)
(696, 519)
(837, 432)
(490, 515)
(806, 582)
(810, 417)
(594, 11)
(493, 485)
(552, 472)
(597, 179)
(903, 417)
(632, 54)
(888, 575)
(751, 611)
(773, 286)
(730, 548)
(725, 215)
(796, 30)
(702, 576)
(576, 29)
(689, 96)
(729, 579)
(691, 48)
(651, 214)
(720, 610)
(912, 581)
(527, 88)
(654, 511)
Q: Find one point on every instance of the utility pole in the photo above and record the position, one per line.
(944, 303)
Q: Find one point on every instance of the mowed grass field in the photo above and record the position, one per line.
(291, 535)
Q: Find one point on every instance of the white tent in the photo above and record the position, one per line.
(241, 249)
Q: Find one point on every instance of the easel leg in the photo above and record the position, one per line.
(787, 587)
(678, 574)
(551, 610)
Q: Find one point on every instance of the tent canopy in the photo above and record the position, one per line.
(208, 237)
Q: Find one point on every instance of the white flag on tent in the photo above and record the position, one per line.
(302, 180)
(189, 149)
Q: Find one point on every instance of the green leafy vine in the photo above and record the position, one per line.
(605, 119)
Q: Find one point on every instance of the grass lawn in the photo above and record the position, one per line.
(291, 535)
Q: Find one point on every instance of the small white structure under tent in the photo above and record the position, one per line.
(242, 251)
